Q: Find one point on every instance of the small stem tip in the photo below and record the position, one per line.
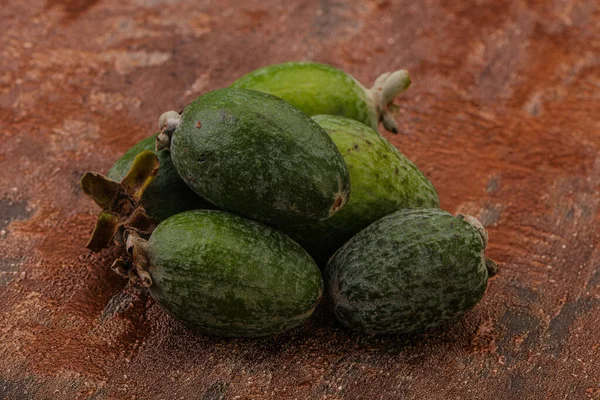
(389, 123)
(167, 123)
(167, 118)
(136, 248)
(163, 142)
(492, 266)
(395, 83)
(385, 89)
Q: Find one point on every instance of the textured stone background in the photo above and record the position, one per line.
(503, 116)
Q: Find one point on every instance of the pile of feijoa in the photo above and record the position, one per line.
(259, 197)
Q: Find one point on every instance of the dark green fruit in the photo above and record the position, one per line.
(168, 194)
(383, 181)
(410, 271)
(322, 89)
(258, 156)
(225, 275)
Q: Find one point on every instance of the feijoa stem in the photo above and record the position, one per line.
(136, 248)
(492, 266)
(167, 123)
(134, 265)
(385, 89)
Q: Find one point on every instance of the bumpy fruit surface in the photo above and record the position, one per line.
(256, 155)
(225, 275)
(322, 89)
(410, 271)
(383, 181)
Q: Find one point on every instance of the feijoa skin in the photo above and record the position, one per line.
(229, 276)
(410, 271)
(168, 194)
(256, 155)
(317, 88)
(383, 181)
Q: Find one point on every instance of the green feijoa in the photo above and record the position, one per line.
(226, 275)
(383, 181)
(256, 155)
(410, 271)
(167, 194)
(322, 89)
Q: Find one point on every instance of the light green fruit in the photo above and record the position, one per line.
(382, 179)
(322, 89)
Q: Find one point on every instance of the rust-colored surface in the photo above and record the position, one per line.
(503, 116)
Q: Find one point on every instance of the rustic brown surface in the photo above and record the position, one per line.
(503, 117)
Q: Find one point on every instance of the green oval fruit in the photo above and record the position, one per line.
(410, 271)
(168, 194)
(258, 156)
(383, 181)
(321, 89)
(229, 276)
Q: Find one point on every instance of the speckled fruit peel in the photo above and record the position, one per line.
(167, 194)
(322, 89)
(383, 181)
(256, 155)
(410, 271)
(226, 275)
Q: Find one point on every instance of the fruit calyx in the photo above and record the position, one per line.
(491, 266)
(385, 89)
(167, 123)
(134, 265)
(120, 201)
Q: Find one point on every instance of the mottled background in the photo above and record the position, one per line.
(503, 116)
